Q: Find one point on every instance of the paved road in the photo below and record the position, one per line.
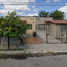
(47, 61)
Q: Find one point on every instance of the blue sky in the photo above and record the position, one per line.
(34, 8)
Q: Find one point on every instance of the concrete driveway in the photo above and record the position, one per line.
(32, 40)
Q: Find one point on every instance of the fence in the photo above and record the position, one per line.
(52, 33)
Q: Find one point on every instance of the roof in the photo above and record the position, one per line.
(24, 20)
(57, 21)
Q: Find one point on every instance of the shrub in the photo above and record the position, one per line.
(34, 33)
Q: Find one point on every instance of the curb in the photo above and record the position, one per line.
(24, 52)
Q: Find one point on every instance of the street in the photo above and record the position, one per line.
(43, 61)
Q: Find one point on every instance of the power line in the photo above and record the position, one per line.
(36, 4)
(32, 2)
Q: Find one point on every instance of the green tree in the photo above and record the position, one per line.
(57, 15)
(12, 26)
(43, 13)
(1, 18)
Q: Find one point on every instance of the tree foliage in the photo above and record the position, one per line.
(1, 19)
(57, 15)
(43, 13)
(12, 26)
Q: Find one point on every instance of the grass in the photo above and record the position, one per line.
(24, 53)
(50, 52)
(38, 53)
(12, 50)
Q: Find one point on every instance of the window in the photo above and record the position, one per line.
(63, 27)
(32, 19)
(29, 26)
(38, 19)
(41, 26)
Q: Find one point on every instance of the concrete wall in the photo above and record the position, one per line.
(34, 21)
(58, 30)
(41, 20)
(52, 30)
(55, 30)
(41, 35)
(13, 41)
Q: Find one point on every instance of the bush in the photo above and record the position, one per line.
(34, 33)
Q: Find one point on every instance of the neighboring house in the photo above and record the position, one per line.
(57, 27)
(33, 21)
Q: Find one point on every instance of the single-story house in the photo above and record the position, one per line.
(33, 21)
(57, 27)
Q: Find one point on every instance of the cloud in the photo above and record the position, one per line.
(56, 0)
(6, 8)
(64, 9)
(15, 7)
(48, 1)
(33, 6)
(32, 0)
(35, 14)
(66, 15)
(19, 13)
(35, 10)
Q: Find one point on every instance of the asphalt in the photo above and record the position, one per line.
(47, 61)
(35, 48)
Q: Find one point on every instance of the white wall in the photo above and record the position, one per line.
(41, 35)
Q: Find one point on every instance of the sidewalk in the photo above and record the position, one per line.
(44, 48)
(36, 48)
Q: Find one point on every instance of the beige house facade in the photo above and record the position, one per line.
(33, 21)
(47, 29)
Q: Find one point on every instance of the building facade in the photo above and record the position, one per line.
(33, 21)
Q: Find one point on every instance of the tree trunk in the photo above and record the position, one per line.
(8, 43)
(0, 40)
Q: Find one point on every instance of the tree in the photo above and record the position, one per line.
(57, 15)
(43, 13)
(12, 26)
(1, 18)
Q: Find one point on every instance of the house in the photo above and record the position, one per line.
(33, 21)
(45, 26)
(57, 27)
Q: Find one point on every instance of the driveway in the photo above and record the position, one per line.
(32, 40)
(27, 40)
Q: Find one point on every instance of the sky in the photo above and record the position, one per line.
(32, 7)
